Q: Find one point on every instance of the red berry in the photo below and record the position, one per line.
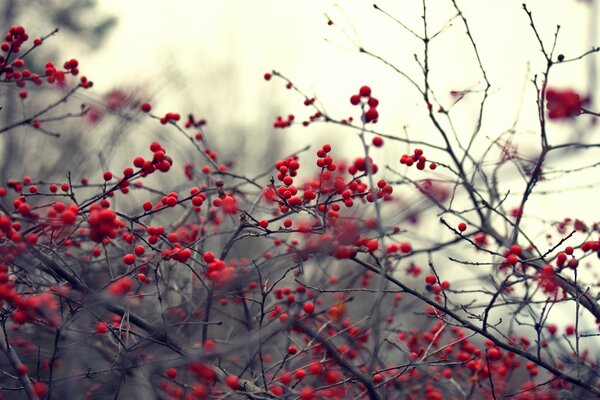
(309, 307)
(372, 245)
(147, 206)
(570, 330)
(128, 259)
(22, 369)
(377, 141)
(494, 353)
(208, 257)
(405, 247)
(365, 91)
(172, 373)
(307, 393)
(512, 259)
(146, 107)
(462, 227)
(569, 250)
(40, 388)
(139, 250)
(371, 115)
(233, 382)
(101, 328)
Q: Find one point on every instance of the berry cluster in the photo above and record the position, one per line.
(418, 158)
(563, 104)
(364, 98)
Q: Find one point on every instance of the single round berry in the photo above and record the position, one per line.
(101, 328)
(309, 307)
(371, 115)
(146, 107)
(365, 91)
(233, 382)
(128, 259)
(172, 373)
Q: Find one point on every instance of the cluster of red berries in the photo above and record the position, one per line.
(562, 259)
(42, 306)
(512, 256)
(418, 158)
(16, 71)
(590, 245)
(433, 285)
(121, 286)
(312, 118)
(287, 167)
(58, 76)
(360, 165)
(103, 222)
(287, 193)
(192, 123)
(170, 117)
(72, 66)
(217, 270)
(325, 161)
(14, 39)
(177, 253)
(384, 191)
(228, 204)
(547, 279)
(403, 247)
(7, 229)
(282, 122)
(352, 189)
(563, 104)
(160, 161)
(68, 214)
(364, 98)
